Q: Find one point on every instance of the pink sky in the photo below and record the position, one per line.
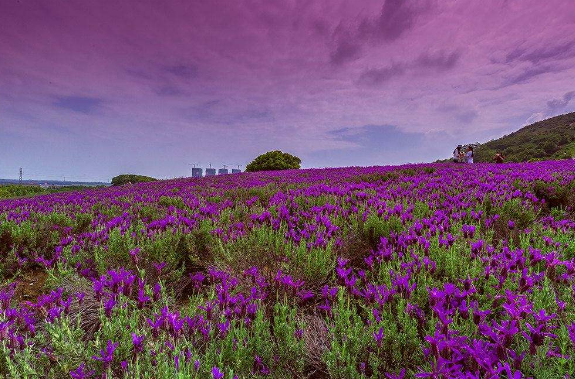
(91, 89)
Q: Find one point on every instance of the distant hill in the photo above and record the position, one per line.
(553, 138)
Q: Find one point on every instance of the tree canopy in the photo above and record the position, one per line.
(130, 178)
(274, 160)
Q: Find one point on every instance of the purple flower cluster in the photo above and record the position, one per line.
(470, 263)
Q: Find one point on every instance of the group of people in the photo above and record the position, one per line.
(461, 155)
(465, 155)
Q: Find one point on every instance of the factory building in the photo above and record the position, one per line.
(197, 172)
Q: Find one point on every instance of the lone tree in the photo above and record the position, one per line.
(274, 160)
(130, 178)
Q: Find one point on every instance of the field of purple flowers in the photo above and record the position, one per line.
(426, 271)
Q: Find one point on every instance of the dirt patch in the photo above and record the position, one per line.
(30, 285)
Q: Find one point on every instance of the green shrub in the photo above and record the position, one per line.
(176, 202)
(130, 179)
(375, 177)
(274, 160)
(555, 194)
(376, 227)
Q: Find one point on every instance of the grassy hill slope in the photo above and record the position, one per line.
(8, 191)
(553, 138)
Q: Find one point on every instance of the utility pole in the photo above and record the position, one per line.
(20, 177)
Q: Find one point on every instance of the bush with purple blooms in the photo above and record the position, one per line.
(416, 271)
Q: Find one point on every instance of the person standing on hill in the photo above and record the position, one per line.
(457, 154)
(499, 158)
(469, 155)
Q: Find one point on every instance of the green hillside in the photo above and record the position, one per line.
(553, 138)
(8, 191)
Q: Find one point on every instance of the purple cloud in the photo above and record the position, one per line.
(80, 104)
(437, 62)
(460, 114)
(347, 50)
(528, 74)
(219, 112)
(551, 52)
(377, 76)
(184, 71)
(169, 90)
(440, 61)
(559, 104)
(395, 19)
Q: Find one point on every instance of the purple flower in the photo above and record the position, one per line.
(216, 373)
(138, 342)
(476, 247)
(109, 306)
(305, 295)
(80, 296)
(329, 292)
(378, 337)
(80, 372)
(298, 334)
(391, 375)
(134, 255)
(571, 330)
(157, 291)
(107, 354)
(260, 367)
(468, 231)
(159, 266)
(142, 298)
(197, 278)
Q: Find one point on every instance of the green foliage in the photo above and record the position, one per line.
(130, 178)
(376, 227)
(176, 202)
(555, 194)
(289, 347)
(314, 265)
(19, 190)
(13, 190)
(274, 160)
(553, 138)
(514, 210)
(348, 352)
(262, 247)
(82, 222)
(375, 177)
